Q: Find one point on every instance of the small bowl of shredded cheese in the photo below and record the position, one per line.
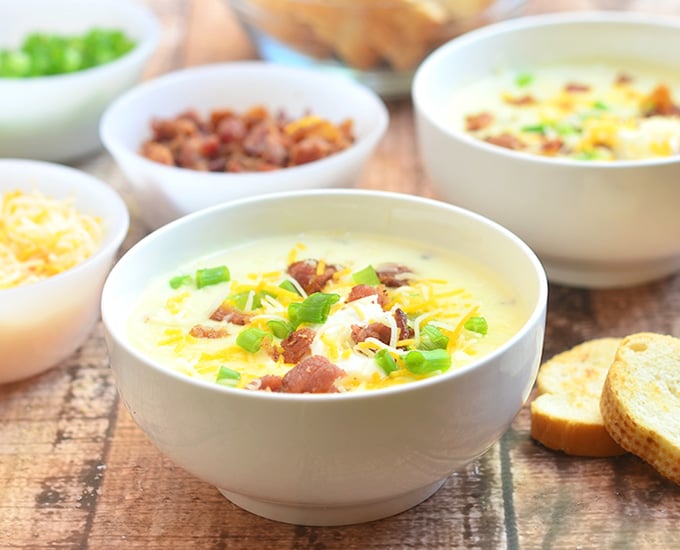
(59, 232)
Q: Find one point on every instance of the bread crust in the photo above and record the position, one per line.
(565, 415)
(640, 401)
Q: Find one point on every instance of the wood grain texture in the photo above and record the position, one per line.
(76, 472)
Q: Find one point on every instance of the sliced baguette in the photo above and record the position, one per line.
(640, 401)
(565, 416)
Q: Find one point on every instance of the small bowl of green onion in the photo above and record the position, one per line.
(61, 64)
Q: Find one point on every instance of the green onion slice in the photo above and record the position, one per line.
(280, 329)
(524, 79)
(227, 376)
(385, 361)
(179, 281)
(477, 324)
(366, 276)
(212, 276)
(535, 129)
(314, 309)
(251, 338)
(290, 287)
(427, 361)
(432, 338)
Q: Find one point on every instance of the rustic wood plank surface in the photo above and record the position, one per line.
(76, 472)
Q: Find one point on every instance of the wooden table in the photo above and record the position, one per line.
(76, 472)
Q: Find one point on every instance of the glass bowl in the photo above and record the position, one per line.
(378, 42)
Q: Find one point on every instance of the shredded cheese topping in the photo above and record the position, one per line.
(41, 236)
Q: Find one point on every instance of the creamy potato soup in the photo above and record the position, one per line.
(324, 313)
(583, 111)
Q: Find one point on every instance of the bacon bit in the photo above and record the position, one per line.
(660, 102)
(478, 121)
(521, 100)
(316, 374)
(552, 146)
(374, 330)
(405, 331)
(623, 79)
(361, 291)
(227, 313)
(201, 331)
(576, 87)
(305, 273)
(297, 345)
(506, 140)
(393, 275)
(270, 382)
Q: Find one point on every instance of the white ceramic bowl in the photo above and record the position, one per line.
(330, 458)
(56, 118)
(44, 322)
(166, 192)
(593, 224)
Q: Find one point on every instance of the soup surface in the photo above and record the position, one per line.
(320, 313)
(582, 111)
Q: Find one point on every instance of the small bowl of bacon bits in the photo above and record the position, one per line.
(205, 135)
(60, 230)
(61, 64)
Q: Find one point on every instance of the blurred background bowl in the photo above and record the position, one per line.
(378, 42)
(56, 117)
(327, 459)
(167, 192)
(44, 322)
(592, 223)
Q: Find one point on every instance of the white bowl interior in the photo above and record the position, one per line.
(63, 308)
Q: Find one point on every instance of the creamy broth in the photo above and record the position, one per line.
(584, 111)
(443, 291)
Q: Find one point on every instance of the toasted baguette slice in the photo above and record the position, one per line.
(640, 401)
(566, 414)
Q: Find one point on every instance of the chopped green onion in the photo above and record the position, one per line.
(566, 129)
(280, 328)
(366, 276)
(385, 361)
(240, 299)
(212, 276)
(600, 106)
(535, 129)
(290, 287)
(315, 308)
(179, 281)
(427, 361)
(293, 314)
(227, 376)
(477, 324)
(524, 79)
(432, 338)
(251, 338)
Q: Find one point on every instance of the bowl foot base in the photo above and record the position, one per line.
(331, 515)
(607, 274)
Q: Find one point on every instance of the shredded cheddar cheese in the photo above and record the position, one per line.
(41, 237)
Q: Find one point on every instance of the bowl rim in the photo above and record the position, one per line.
(437, 59)
(153, 86)
(119, 219)
(533, 319)
(134, 11)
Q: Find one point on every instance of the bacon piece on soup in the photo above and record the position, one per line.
(478, 121)
(623, 79)
(227, 313)
(202, 331)
(305, 273)
(270, 382)
(297, 344)
(506, 140)
(660, 102)
(316, 374)
(520, 100)
(405, 331)
(576, 87)
(393, 275)
(362, 291)
(374, 330)
(552, 146)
